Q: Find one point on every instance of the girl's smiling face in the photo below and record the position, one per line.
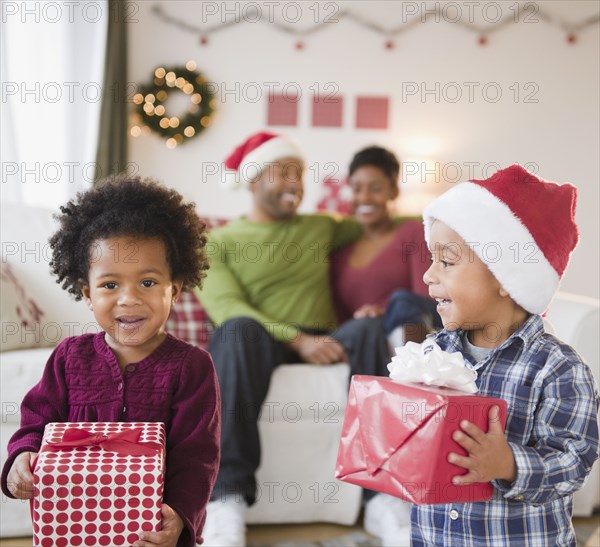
(130, 290)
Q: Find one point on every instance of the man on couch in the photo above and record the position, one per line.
(268, 292)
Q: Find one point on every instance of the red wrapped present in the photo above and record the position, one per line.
(98, 483)
(396, 439)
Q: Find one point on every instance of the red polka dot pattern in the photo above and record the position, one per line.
(88, 496)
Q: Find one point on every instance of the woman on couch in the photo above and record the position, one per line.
(381, 274)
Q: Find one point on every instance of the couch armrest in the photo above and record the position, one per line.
(576, 321)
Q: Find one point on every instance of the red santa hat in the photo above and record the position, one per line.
(247, 161)
(521, 226)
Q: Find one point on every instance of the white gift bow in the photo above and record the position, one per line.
(429, 364)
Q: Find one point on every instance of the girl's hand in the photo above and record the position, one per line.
(172, 526)
(369, 310)
(20, 477)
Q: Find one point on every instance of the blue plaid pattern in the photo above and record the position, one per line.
(552, 428)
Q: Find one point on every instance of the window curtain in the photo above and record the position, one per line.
(112, 140)
(53, 57)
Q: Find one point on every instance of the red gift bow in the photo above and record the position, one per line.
(125, 443)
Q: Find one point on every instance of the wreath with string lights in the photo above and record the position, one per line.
(151, 98)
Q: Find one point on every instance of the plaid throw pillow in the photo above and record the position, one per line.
(189, 321)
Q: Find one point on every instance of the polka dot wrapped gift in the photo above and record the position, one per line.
(98, 483)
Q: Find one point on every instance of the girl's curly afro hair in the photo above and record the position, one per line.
(128, 206)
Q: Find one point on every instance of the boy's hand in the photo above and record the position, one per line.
(490, 456)
(20, 477)
(172, 526)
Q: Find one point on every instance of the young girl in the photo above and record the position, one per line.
(128, 248)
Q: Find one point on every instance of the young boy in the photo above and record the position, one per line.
(500, 247)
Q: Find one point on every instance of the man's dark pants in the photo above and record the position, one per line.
(245, 355)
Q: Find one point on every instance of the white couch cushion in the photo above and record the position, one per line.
(300, 429)
(20, 370)
(576, 321)
(302, 392)
(15, 518)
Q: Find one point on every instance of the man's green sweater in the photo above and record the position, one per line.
(276, 273)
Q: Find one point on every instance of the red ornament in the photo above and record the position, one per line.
(299, 44)
(389, 45)
(204, 40)
(482, 40)
(571, 38)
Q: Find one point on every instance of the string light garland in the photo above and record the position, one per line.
(152, 112)
(529, 11)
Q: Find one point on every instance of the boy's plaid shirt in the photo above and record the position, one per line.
(552, 428)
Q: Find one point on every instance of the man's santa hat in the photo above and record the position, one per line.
(521, 226)
(248, 160)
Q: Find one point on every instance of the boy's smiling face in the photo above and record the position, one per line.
(469, 296)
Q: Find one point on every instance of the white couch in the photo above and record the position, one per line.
(304, 409)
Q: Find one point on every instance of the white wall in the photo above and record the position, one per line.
(557, 135)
